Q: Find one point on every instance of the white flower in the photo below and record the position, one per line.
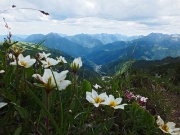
(143, 99)
(11, 56)
(2, 71)
(48, 80)
(43, 55)
(25, 62)
(70, 111)
(61, 59)
(49, 62)
(77, 63)
(115, 103)
(2, 104)
(94, 98)
(97, 86)
(168, 127)
(62, 84)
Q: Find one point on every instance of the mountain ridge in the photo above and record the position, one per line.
(150, 47)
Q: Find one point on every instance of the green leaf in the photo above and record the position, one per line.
(86, 86)
(23, 112)
(7, 77)
(125, 66)
(138, 120)
(39, 85)
(29, 72)
(18, 130)
(2, 55)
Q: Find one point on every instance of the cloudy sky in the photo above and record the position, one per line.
(127, 17)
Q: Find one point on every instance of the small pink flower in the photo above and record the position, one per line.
(141, 100)
(129, 95)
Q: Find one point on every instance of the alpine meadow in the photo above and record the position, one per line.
(89, 67)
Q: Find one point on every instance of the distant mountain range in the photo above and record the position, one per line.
(85, 40)
(154, 46)
(104, 48)
(110, 38)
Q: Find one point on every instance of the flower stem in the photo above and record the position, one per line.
(24, 78)
(17, 73)
(5, 60)
(74, 84)
(47, 107)
(74, 90)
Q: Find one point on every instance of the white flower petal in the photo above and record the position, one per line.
(13, 63)
(96, 104)
(46, 75)
(89, 93)
(96, 86)
(171, 124)
(63, 84)
(103, 96)
(49, 62)
(30, 63)
(90, 99)
(94, 94)
(105, 103)
(120, 106)
(43, 55)
(27, 57)
(159, 121)
(2, 71)
(2, 104)
(43, 62)
(62, 75)
(20, 56)
(118, 100)
(111, 97)
(38, 77)
(77, 62)
(62, 59)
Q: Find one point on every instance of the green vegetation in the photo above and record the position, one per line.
(48, 104)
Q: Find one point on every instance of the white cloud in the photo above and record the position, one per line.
(131, 17)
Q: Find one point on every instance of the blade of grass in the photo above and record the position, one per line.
(46, 111)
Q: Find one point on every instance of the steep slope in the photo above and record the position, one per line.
(85, 40)
(113, 46)
(154, 46)
(53, 40)
(139, 64)
(143, 64)
(34, 38)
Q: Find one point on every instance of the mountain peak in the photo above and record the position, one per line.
(52, 34)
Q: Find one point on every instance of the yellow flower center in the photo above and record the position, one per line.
(49, 63)
(113, 104)
(98, 100)
(23, 63)
(165, 127)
